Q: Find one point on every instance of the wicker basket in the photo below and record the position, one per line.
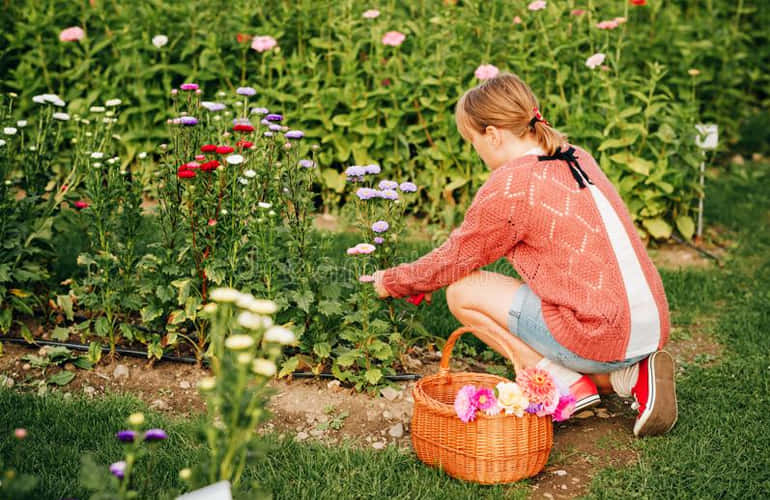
(490, 449)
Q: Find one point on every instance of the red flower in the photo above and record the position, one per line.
(80, 204)
(185, 174)
(64, 188)
(639, 2)
(212, 222)
(209, 148)
(386, 82)
(416, 299)
(243, 38)
(243, 127)
(224, 150)
(210, 165)
(244, 144)
(200, 157)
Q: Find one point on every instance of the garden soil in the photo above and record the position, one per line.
(324, 411)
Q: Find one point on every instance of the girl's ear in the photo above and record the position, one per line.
(493, 135)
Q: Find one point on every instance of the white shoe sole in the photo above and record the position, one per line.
(661, 397)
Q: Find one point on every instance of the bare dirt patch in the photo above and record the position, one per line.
(321, 410)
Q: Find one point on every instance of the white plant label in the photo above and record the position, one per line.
(708, 135)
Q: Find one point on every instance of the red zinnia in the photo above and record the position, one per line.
(224, 150)
(243, 127)
(80, 204)
(185, 174)
(639, 2)
(243, 38)
(210, 165)
(209, 148)
(244, 144)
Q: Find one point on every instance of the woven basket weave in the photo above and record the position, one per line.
(490, 449)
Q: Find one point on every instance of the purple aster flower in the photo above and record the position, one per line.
(294, 134)
(189, 86)
(126, 436)
(388, 185)
(273, 117)
(407, 187)
(247, 91)
(268, 134)
(264, 121)
(306, 163)
(118, 469)
(155, 435)
(259, 111)
(366, 193)
(213, 106)
(389, 194)
(274, 127)
(355, 171)
(534, 408)
(380, 226)
(188, 121)
(241, 121)
(379, 240)
(372, 169)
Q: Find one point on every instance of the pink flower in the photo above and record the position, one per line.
(366, 278)
(484, 399)
(486, 71)
(538, 385)
(537, 5)
(80, 204)
(577, 12)
(212, 222)
(263, 43)
(72, 34)
(464, 403)
(517, 20)
(565, 408)
(371, 13)
(393, 38)
(607, 25)
(595, 60)
(550, 407)
(620, 20)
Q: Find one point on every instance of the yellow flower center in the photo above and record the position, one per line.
(482, 399)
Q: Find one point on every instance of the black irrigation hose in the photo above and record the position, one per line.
(698, 249)
(180, 359)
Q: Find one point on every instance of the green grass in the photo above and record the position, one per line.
(717, 450)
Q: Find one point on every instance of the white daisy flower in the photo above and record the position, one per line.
(250, 174)
(61, 116)
(280, 335)
(234, 159)
(9, 130)
(97, 155)
(113, 102)
(97, 109)
(159, 40)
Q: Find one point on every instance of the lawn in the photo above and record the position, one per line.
(717, 450)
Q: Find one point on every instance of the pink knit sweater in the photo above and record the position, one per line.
(578, 250)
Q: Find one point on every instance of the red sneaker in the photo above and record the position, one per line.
(655, 394)
(585, 392)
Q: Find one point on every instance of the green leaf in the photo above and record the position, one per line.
(102, 326)
(60, 334)
(94, 352)
(288, 366)
(322, 349)
(150, 313)
(373, 375)
(65, 302)
(638, 165)
(658, 228)
(348, 358)
(623, 142)
(83, 363)
(61, 378)
(329, 307)
(686, 226)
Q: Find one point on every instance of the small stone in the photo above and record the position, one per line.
(184, 384)
(371, 415)
(69, 367)
(564, 486)
(26, 366)
(379, 445)
(585, 414)
(334, 385)
(548, 495)
(121, 371)
(159, 404)
(301, 436)
(316, 433)
(560, 472)
(390, 393)
(602, 413)
(575, 480)
(89, 391)
(387, 415)
(397, 430)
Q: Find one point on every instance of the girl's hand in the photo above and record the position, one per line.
(378, 285)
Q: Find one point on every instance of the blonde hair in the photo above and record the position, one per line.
(506, 102)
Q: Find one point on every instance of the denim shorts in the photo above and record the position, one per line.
(525, 320)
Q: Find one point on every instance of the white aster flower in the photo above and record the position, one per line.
(159, 40)
(97, 109)
(239, 342)
(225, 295)
(262, 366)
(61, 116)
(113, 102)
(40, 99)
(2, 142)
(263, 204)
(21, 123)
(280, 335)
(97, 155)
(9, 130)
(234, 159)
(207, 383)
(250, 174)
(251, 321)
(142, 155)
(243, 181)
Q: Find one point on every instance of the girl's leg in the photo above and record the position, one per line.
(482, 299)
(602, 381)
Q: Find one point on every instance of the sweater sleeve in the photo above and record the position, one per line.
(494, 223)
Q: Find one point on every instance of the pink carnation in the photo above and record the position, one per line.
(607, 25)
(577, 12)
(486, 71)
(465, 406)
(538, 385)
(537, 5)
(393, 38)
(565, 408)
(371, 13)
(72, 34)
(263, 43)
(595, 60)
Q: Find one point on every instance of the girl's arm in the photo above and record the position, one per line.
(493, 225)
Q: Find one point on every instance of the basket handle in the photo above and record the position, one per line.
(483, 335)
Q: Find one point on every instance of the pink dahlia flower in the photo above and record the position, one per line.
(607, 25)
(484, 399)
(72, 34)
(465, 406)
(393, 38)
(565, 408)
(486, 71)
(595, 60)
(538, 385)
(263, 43)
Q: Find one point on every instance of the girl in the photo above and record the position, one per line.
(592, 309)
